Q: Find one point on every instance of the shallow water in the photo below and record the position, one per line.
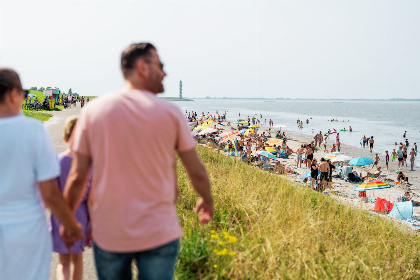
(386, 121)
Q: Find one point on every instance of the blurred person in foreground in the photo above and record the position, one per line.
(28, 168)
(130, 137)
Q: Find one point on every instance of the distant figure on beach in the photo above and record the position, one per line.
(350, 129)
(401, 177)
(386, 159)
(314, 173)
(28, 168)
(364, 141)
(324, 167)
(408, 197)
(299, 152)
(371, 141)
(405, 134)
(376, 161)
(393, 155)
(400, 158)
(413, 155)
(73, 257)
(134, 186)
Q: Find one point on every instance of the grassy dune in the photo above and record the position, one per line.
(266, 227)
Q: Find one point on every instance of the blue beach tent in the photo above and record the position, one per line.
(402, 210)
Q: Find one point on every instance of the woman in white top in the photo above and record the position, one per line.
(28, 168)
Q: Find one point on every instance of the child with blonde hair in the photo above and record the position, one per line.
(72, 256)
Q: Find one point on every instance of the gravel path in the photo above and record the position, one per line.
(55, 126)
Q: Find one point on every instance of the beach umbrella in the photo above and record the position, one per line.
(254, 126)
(207, 122)
(274, 141)
(249, 131)
(333, 155)
(242, 131)
(266, 154)
(306, 175)
(361, 161)
(371, 185)
(270, 150)
(208, 131)
(341, 158)
(228, 137)
(202, 127)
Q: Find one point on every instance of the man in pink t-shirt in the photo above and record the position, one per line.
(130, 137)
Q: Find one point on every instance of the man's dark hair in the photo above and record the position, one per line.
(9, 80)
(131, 54)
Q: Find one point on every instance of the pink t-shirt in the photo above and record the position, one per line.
(132, 137)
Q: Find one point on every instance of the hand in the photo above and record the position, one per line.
(71, 235)
(205, 210)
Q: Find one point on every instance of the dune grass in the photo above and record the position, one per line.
(266, 227)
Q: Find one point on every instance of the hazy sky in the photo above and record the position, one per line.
(296, 49)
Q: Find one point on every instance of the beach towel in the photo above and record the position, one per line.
(402, 210)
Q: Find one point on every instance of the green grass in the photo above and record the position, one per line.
(40, 115)
(285, 231)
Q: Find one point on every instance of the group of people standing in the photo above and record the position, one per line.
(132, 193)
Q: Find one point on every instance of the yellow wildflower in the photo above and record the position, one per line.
(233, 239)
(223, 271)
(212, 231)
(215, 266)
(214, 236)
(221, 243)
(232, 253)
(226, 235)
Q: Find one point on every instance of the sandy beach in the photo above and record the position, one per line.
(342, 190)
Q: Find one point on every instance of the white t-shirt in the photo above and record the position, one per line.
(27, 156)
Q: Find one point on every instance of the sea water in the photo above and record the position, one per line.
(386, 121)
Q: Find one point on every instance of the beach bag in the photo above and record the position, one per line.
(383, 205)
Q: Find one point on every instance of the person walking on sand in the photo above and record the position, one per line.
(386, 159)
(134, 184)
(28, 168)
(413, 155)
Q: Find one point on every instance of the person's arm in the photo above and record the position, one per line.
(54, 200)
(77, 179)
(198, 175)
